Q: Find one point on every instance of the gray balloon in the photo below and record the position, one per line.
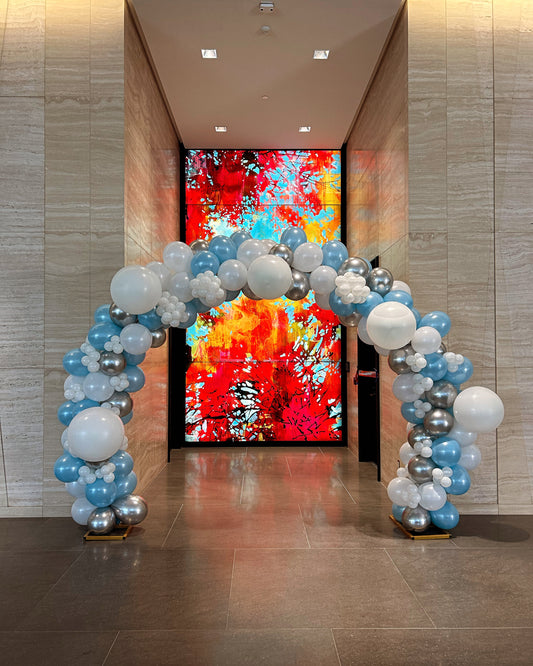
(442, 349)
(398, 360)
(102, 520)
(417, 519)
(250, 294)
(199, 245)
(354, 265)
(158, 338)
(417, 434)
(283, 251)
(123, 401)
(380, 280)
(130, 510)
(121, 317)
(442, 394)
(299, 287)
(438, 422)
(421, 469)
(350, 320)
(111, 364)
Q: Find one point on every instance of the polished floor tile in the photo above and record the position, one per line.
(320, 588)
(494, 532)
(40, 534)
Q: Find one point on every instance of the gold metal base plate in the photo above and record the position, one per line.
(118, 534)
(432, 532)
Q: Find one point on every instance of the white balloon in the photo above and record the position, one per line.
(478, 409)
(322, 300)
(179, 285)
(96, 386)
(398, 285)
(426, 340)
(362, 331)
(75, 489)
(135, 289)
(402, 387)
(470, 457)
(81, 510)
(95, 434)
(398, 490)
(432, 496)
(406, 452)
(162, 272)
(269, 276)
(307, 257)
(268, 243)
(322, 280)
(391, 325)
(251, 249)
(177, 256)
(232, 274)
(381, 350)
(136, 338)
(464, 437)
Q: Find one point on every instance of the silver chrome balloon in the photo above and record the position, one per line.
(417, 434)
(299, 287)
(442, 349)
(198, 245)
(350, 320)
(283, 251)
(421, 469)
(438, 422)
(380, 280)
(158, 338)
(130, 510)
(250, 294)
(416, 520)
(123, 401)
(121, 317)
(111, 364)
(442, 394)
(102, 520)
(398, 360)
(354, 265)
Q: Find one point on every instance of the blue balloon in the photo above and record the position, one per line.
(462, 374)
(408, 412)
(460, 480)
(133, 359)
(192, 313)
(102, 313)
(340, 308)
(436, 368)
(101, 333)
(199, 307)
(127, 418)
(150, 319)
(372, 300)
(85, 404)
(446, 452)
(66, 468)
(334, 253)
(223, 248)
(66, 412)
(136, 378)
(126, 484)
(101, 493)
(123, 463)
(293, 237)
(399, 297)
(446, 518)
(232, 295)
(417, 315)
(238, 237)
(397, 512)
(437, 320)
(204, 261)
(72, 363)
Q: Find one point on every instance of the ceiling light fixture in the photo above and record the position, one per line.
(321, 55)
(209, 53)
(304, 128)
(221, 128)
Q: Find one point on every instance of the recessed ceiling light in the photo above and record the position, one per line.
(221, 128)
(265, 97)
(209, 53)
(304, 128)
(321, 55)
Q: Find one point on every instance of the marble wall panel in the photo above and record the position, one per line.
(428, 270)
(513, 49)
(426, 49)
(107, 48)
(54, 493)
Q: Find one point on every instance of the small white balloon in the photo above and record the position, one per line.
(249, 250)
(162, 272)
(307, 257)
(136, 339)
(322, 300)
(322, 280)
(179, 285)
(426, 340)
(432, 496)
(470, 457)
(232, 274)
(391, 325)
(362, 331)
(406, 452)
(478, 409)
(97, 386)
(464, 437)
(75, 489)
(398, 285)
(81, 510)
(177, 256)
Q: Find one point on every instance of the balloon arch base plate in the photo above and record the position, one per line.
(120, 533)
(432, 532)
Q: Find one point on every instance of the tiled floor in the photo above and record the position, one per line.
(266, 556)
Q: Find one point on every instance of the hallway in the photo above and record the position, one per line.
(270, 556)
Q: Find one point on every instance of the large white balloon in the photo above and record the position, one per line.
(398, 490)
(177, 256)
(269, 276)
(136, 339)
(251, 249)
(470, 457)
(95, 434)
(307, 257)
(96, 386)
(135, 289)
(391, 325)
(322, 280)
(179, 285)
(81, 510)
(432, 496)
(402, 387)
(426, 340)
(461, 435)
(478, 409)
(232, 274)
(406, 452)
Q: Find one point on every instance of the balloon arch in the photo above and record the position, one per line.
(443, 418)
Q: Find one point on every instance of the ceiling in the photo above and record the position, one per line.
(254, 62)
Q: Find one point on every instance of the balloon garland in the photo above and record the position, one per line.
(443, 419)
